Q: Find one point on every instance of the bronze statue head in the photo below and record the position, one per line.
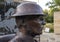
(30, 20)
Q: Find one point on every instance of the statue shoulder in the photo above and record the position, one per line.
(16, 39)
(6, 38)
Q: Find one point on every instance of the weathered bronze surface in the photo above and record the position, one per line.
(29, 20)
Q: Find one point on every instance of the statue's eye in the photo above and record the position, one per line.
(41, 18)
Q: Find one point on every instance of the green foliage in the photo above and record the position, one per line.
(45, 11)
(50, 26)
(57, 2)
(49, 17)
(51, 30)
(54, 5)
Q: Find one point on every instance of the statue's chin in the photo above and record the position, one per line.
(35, 34)
(38, 33)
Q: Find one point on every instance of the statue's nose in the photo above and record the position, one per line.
(43, 22)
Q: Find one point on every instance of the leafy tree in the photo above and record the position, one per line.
(49, 18)
(57, 2)
(54, 5)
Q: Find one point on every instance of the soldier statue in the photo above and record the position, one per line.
(30, 21)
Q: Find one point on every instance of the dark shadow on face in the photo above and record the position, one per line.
(35, 27)
(33, 24)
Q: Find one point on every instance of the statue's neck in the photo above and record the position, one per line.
(20, 34)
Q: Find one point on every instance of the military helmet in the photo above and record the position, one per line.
(28, 8)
